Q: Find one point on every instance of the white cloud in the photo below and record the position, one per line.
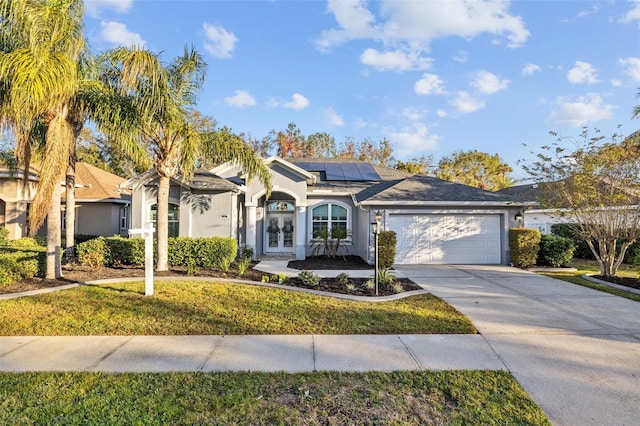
(414, 25)
(631, 67)
(461, 57)
(429, 84)
(582, 72)
(442, 113)
(633, 14)
(240, 99)
(117, 34)
(413, 139)
(220, 42)
(530, 69)
(585, 109)
(297, 102)
(466, 103)
(393, 60)
(489, 83)
(616, 83)
(95, 7)
(333, 118)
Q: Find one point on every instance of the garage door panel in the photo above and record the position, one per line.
(447, 239)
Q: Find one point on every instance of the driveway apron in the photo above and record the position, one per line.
(576, 351)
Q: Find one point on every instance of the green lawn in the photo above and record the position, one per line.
(324, 398)
(586, 267)
(215, 308)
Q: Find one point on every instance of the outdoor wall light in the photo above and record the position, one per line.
(519, 217)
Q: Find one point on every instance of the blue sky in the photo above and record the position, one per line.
(432, 77)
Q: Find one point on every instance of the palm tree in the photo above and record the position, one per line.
(162, 98)
(40, 45)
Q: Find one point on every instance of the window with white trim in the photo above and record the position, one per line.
(124, 222)
(173, 218)
(329, 216)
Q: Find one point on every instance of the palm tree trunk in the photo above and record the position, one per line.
(70, 211)
(54, 266)
(162, 224)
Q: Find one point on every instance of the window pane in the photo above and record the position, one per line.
(338, 213)
(174, 212)
(319, 226)
(321, 212)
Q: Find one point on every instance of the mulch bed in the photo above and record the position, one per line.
(624, 281)
(77, 273)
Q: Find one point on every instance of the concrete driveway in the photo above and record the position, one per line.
(576, 351)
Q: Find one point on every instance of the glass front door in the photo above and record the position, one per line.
(279, 232)
(279, 227)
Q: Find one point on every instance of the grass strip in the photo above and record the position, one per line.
(226, 398)
(216, 308)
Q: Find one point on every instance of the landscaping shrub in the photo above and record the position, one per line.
(555, 251)
(582, 250)
(386, 249)
(125, 251)
(211, 252)
(309, 278)
(4, 236)
(524, 244)
(18, 265)
(28, 243)
(93, 253)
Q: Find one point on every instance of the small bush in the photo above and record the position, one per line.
(343, 278)
(93, 253)
(125, 251)
(309, 278)
(525, 245)
(18, 265)
(28, 242)
(4, 236)
(555, 251)
(212, 252)
(386, 249)
(242, 265)
(385, 277)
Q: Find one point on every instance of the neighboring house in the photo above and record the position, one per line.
(102, 208)
(535, 218)
(436, 221)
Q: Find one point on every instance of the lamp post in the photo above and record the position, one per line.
(375, 228)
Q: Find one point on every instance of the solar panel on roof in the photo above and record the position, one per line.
(334, 171)
(351, 172)
(368, 172)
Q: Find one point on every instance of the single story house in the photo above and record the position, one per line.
(436, 222)
(102, 207)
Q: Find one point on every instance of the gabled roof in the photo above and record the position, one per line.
(93, 183)
(429, 190)
(202, 180)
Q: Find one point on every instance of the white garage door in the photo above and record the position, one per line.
(447, 239)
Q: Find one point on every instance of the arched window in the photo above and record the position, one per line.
(329, 216)
(174, 218)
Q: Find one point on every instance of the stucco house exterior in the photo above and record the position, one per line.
(102, 207)
(437, 222)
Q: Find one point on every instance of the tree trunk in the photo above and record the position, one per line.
(70, 210)
(54, 265)
(162, 224)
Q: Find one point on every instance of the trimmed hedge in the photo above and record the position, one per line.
(386, 249)
(555, 251)
(525, 245)
(93, 253)
(4, 236)
(16, 265)
(212, 252)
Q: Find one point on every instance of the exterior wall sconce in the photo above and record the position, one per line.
(519, 218)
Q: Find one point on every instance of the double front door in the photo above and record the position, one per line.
(279, 232)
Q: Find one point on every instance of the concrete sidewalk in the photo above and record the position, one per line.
(247, 353)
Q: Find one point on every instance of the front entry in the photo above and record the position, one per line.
(279, 227)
